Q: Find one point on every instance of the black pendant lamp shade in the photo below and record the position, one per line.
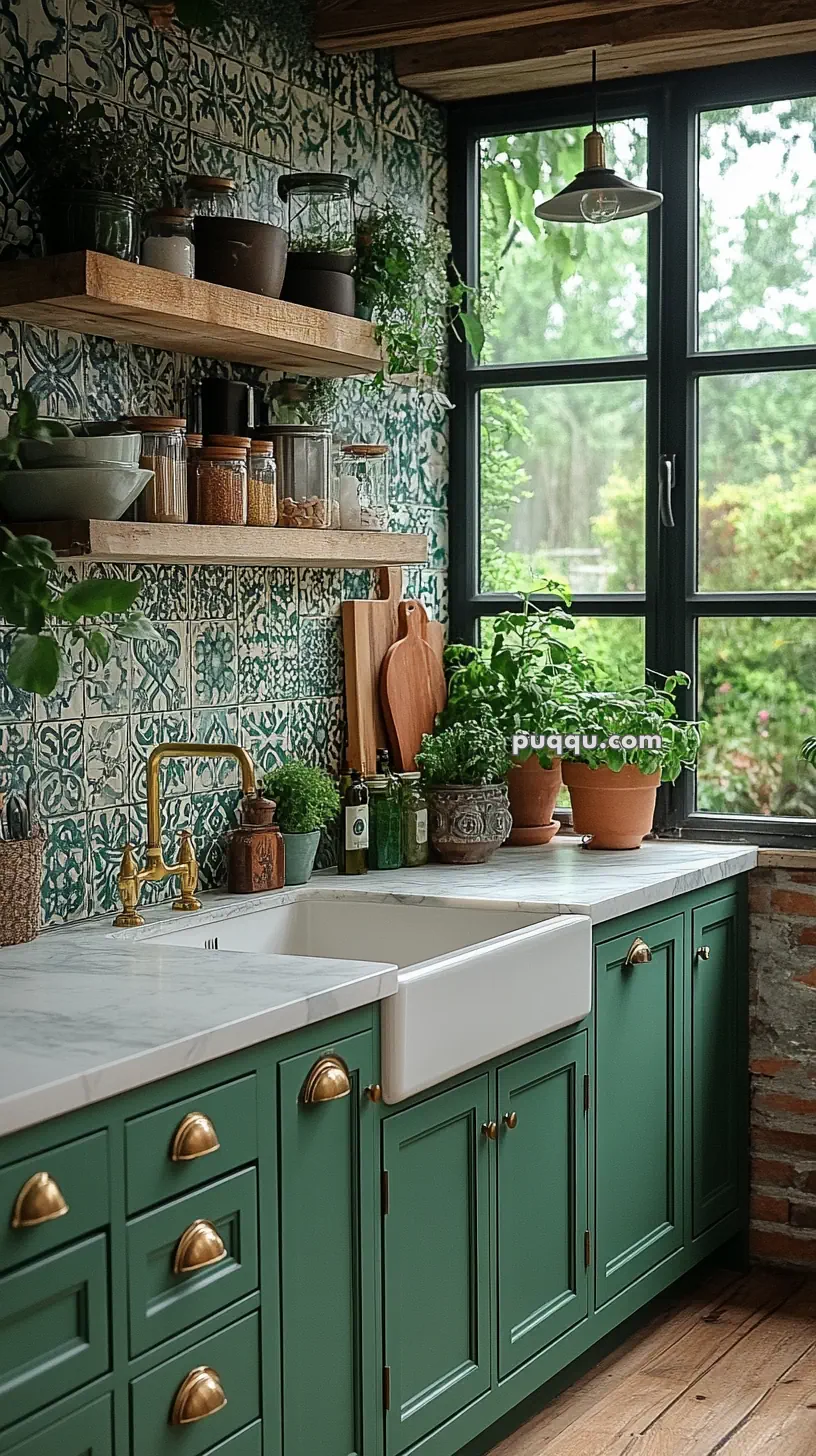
(597, 194)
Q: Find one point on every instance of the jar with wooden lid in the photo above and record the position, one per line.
(362, 487)
(167, 241)
(222, 486)
(208, 196)
(164, 498)
(262, 499)
(194, 443)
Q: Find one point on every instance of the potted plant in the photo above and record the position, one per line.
(306, 800)
(92, 177)
(619, 747)
(517, 683)
(464, 768)
(321, 258)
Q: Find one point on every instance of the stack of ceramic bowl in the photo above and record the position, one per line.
(94, 475)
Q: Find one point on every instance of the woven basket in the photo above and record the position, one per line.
(20, 881)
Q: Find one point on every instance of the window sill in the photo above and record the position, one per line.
(786, 859)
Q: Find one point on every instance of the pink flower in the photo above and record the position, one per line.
(763, 715)
(724, 687)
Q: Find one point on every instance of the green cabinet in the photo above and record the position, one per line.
(233, 1357)
(542, 1199)
(436, 1261)
(328, 1216)
(639, 1001)
(85, 1433)
(717, 1014)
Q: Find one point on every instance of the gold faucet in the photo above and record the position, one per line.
(131, 878)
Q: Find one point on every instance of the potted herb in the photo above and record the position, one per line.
(464, 768)
(629, 743)
(321, 258)
(92, 177)
(306, 800)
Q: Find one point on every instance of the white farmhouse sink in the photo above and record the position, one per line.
(473, 982)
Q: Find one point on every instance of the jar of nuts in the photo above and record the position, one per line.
(222, 486)
(303, 459)
(262, 500)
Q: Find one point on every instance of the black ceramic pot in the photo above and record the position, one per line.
(99, 221)
(240, 254)
(325, 288)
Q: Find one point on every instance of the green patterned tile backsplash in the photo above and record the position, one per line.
(248, 655)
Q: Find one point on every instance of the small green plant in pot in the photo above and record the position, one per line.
(618, 749)
(306, 800)
(464, 769)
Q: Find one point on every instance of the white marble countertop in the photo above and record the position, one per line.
(84, 1016)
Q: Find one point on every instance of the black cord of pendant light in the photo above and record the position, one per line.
(594, 90)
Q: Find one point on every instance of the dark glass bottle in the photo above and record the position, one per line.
(353, 858)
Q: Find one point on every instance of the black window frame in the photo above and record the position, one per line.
(670, 605)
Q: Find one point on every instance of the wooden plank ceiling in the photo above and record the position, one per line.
(452, 49)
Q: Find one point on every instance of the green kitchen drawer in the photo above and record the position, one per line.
(234, 1355)
(154, 1174)
(78, 1177)
(246, 1443)
(86, 1433)
(162, 1302)
(53, 1328)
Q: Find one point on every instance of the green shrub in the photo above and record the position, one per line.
(466, 753)
(306, 797)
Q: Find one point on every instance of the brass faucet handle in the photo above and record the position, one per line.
(129, 887)
(188, 874)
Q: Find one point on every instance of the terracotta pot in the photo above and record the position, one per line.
(613, 810)
(533, 791)
(468, 821)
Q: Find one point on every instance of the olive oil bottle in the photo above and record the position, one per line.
(353, 858)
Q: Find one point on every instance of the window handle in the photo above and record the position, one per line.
(666, 486)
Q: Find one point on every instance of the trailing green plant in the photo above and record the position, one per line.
(291, 20)
(297, 401)
(306, 796)
(26, 424)
(408, 284)
(465, 753)
(640, 713)
(33, 601)
(79, 149)
(517, 679)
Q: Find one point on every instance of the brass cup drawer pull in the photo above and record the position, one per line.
(194, 1137)
(510, 1120)
(703, 952)
(327, 1082)
(200, 1246)
(200, 1395)
(490, 1130)
(39, 1201)
(638, 953)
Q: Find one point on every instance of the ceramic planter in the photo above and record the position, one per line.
(533, 791)
(321, 280)
(468, 822)
(100, 221)
(611, 810)
(240, 253)
(299, 852)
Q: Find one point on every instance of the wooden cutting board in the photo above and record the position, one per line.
(412, 687)
(369, 629)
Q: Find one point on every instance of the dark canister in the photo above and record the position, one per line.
(256, 849)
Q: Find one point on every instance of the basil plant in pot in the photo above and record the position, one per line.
(464, 769)
(517, 681)
(619, 747)
(306, 800)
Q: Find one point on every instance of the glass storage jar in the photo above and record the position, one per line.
(222, 486)
(385, 826)
(194, 443)
(262, 497)
(303, 460)
(414, 805)
(163, 451)
(362, 487)
(321, 212)
(211, 196)
(167, 241)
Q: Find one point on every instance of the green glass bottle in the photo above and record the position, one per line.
(353, 859)
(385, 846)
(415, 847)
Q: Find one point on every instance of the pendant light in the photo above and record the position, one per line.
(597, 194)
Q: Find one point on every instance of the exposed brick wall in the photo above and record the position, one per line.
(783, 1066)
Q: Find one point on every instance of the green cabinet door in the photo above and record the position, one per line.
(86, 1433)
(638, 1104)
(718, 1081)
(328, 1214)
(542, 1207)
(436, 1261)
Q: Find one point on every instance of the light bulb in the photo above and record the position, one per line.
(598, 206)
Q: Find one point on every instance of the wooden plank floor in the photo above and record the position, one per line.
(725, 1368)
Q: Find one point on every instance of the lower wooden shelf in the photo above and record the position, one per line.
(236, 545)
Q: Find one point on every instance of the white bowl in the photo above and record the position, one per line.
(78, 449)
(100, 492)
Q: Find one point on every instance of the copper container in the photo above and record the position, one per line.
(256, 849)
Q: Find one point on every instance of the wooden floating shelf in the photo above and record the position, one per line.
(91, 293)
(234, 545)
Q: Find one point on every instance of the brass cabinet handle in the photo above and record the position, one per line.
(638, 953)
(39, 1201)
(489, 1130)
(510, 1120)
(703, 952)
(327, 1081)
(200, 1395)
(199, 1246)
(194, 1137)
(374, 1092)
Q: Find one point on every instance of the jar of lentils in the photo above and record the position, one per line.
(262, 499)
(222, 486)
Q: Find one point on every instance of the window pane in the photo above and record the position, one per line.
(562, 291)
(757, 253)
(562, 486)
(757, 471)
(757, 691)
